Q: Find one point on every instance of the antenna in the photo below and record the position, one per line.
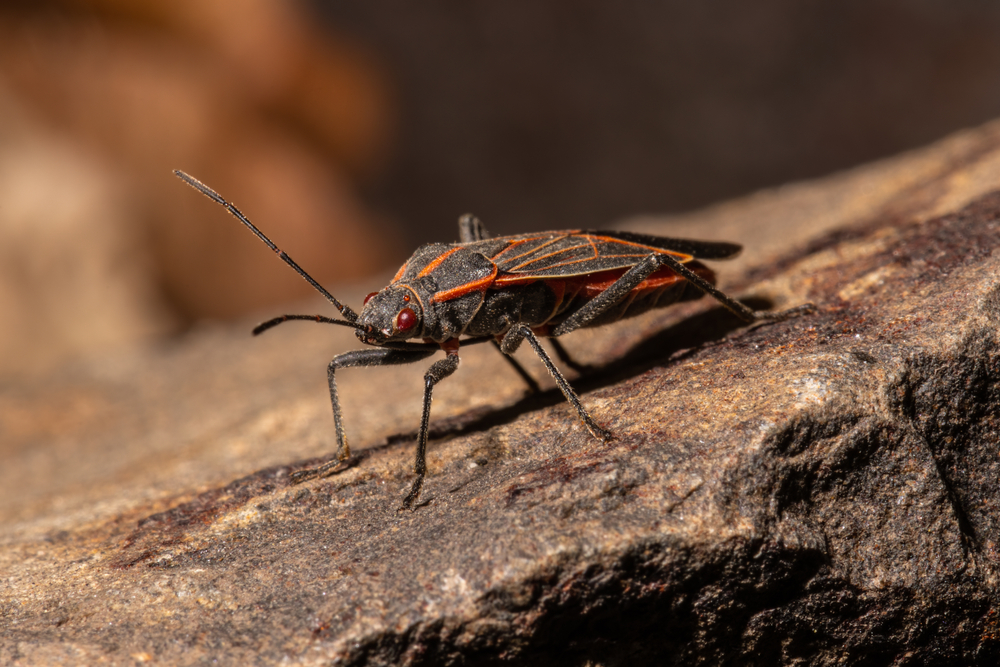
(346, 311)
(264, 326)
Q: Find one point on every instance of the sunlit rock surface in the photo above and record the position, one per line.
(818, 490)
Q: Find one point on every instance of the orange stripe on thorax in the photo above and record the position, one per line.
(437, 262)
(480, 285)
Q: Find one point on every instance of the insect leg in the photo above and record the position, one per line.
(612, 295)
(741, 311)
(512, 340)
(565, 357)
(621, 287)
(438, 371)
(471, 228)
(372, 357)
(530, 381)
(345, 310)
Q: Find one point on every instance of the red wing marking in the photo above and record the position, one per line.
(577, 254)
(649, 248)
(513, 245)
(476, 285)
(437, 262)
(509, 279)
(593, 245)
(591, 284)
(599, 282)
(560, 251)
(534, 249)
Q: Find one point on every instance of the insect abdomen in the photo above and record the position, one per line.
(659, 290)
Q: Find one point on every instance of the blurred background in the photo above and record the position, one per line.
(353, 130)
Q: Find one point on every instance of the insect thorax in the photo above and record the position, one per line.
(532, 304)
(450, 281)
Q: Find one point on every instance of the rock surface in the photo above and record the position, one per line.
(817, 491)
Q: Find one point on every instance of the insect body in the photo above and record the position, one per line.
(507, 290)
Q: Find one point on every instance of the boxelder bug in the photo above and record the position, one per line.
(507, 290)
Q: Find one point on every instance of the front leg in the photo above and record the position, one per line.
(438, 371)
(512, 340)
(372, 357)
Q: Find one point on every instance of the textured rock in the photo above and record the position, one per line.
(816, 491)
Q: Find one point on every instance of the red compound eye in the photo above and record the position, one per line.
(406, 320)
(369, 297)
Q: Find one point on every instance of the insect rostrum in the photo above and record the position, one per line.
(507, 290)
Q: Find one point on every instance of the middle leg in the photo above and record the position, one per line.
(519, 369)
(371, 357)
(512, 340)
(438, 371)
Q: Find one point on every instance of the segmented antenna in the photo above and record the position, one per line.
(345, 310)
(264, 326)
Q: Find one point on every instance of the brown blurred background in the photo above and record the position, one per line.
(353, 130)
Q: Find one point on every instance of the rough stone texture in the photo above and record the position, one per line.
(818, 491)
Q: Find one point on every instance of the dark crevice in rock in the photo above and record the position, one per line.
(653, 604)
(970, 543)
(953, 403)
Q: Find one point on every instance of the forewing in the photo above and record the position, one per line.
(575, 253)
(696, 249)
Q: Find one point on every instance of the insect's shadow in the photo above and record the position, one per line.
(688, 336)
